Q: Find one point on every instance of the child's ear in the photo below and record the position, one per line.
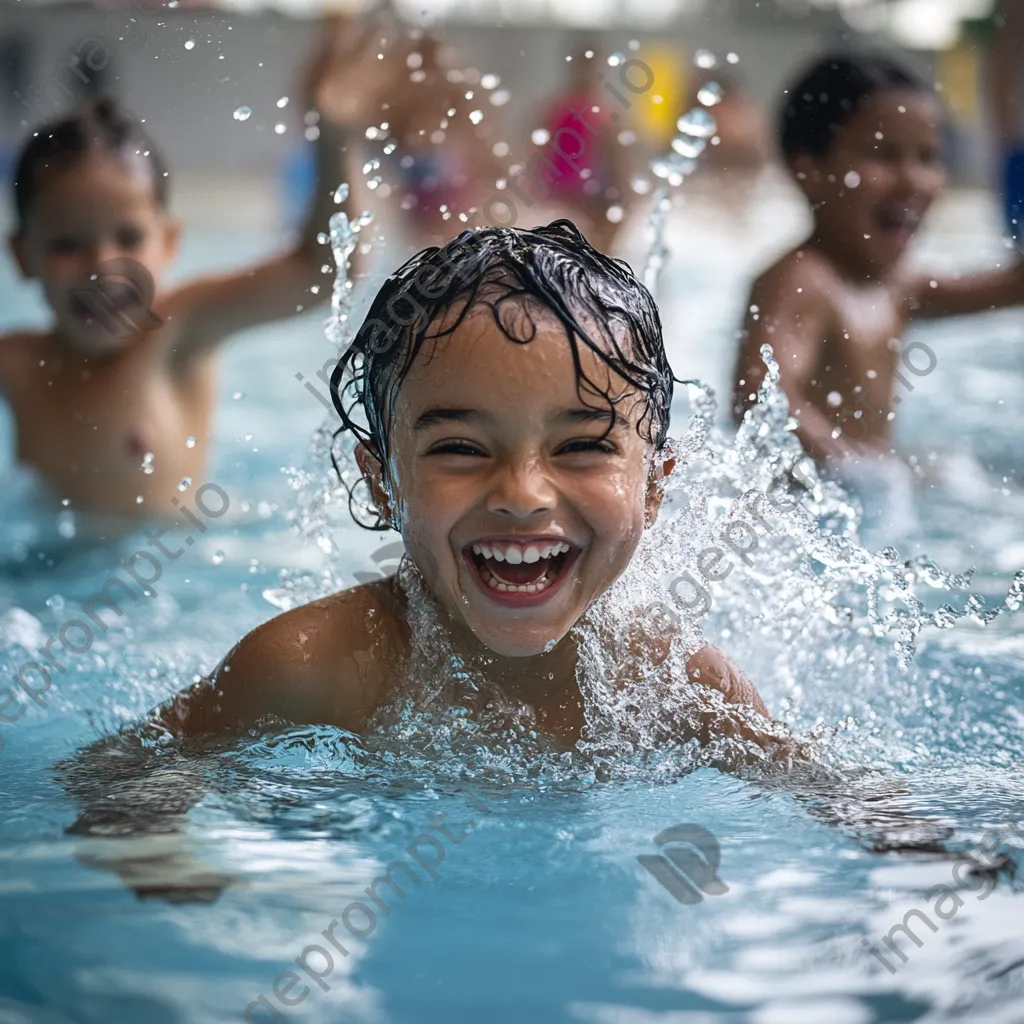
(373, 474)
(656, 487)
(16, 245)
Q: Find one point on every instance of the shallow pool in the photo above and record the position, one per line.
(211, 869)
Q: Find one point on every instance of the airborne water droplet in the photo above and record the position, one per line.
(218, 557)
(242, 113)
(710, 94)
(698, 123)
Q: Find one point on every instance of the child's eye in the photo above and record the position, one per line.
(588, 444)
(456, 448)
(129, 238)
(63, 244)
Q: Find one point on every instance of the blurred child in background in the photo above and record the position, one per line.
(112, 404)
(593, 190)
(861, 136)
(438, 130)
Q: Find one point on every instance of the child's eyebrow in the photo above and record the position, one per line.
(433, 416)
(588, 415)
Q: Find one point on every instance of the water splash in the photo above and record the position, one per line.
(694, 128)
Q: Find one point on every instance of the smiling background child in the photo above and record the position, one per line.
(114, 410)
(861, 137)
(509, 394)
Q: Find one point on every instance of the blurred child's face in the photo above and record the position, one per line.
(516, 508)
(878, 180)
(86, 214)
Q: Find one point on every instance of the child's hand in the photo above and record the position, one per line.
(349, 80)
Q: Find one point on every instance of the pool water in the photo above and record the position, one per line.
(181, 883)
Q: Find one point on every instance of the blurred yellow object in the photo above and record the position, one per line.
(658, 109)
(957, 74)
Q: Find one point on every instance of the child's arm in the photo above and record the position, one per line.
(930, 297)
(324, 663)
(213, 308)
(789, 310)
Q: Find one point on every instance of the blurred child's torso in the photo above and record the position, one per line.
(107, 432)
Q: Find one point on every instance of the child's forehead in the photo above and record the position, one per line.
(899, 109)
(126, 172)
(496, 355)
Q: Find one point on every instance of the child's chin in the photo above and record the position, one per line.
(524, 643)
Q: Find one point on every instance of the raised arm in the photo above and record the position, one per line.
(931, 297)
(213, 308)
(789, 310)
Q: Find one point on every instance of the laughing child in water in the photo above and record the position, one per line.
(509, 394)
(861, 136)
(112, 404)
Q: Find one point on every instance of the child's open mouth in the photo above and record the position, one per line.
(898, 224)
(520, 572)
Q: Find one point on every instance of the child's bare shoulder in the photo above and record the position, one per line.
(327, 662)
(801, 268)
(19, 352)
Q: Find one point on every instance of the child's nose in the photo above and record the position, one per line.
(103, 252)
(522, 491)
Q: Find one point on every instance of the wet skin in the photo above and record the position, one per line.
(491, 446)
(834, 309)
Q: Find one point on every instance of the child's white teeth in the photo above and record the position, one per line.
(510, 588)
(515, 555)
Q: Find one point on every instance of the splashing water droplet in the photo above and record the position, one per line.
(705, 59)
(341, 193)
(242, 113)
(147, 463)
(186, 483)
(852, 179)
(282, 102)
(710, 94)
(238, 396)
(698, 123)
(280, 129)
(689, 147)
(190, 44)
(190, 442)
(218, 557)
(540, 136)
(489, 81)
(476, 116)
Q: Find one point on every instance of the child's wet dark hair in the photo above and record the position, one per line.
(518, 275)
(830, 92)
(99, 127)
